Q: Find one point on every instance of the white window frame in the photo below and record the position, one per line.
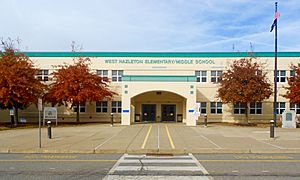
(101, 106)
(215, 76)
(43, 75)
(103, 74)
(217, 107)
(201, 76)
(82, 108)
(116, 106)
(239, 108)
(280, 109)
(203, 108)
(118, 76)
(293, 73)
(281, 76)
(295, 107)
(256, 107)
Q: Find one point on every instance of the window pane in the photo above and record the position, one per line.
(104, 109)
(113, 110)
(114, 72)
(252, 111)
(204, 79)
(120, 73)
(213, 111)
(219, 111)
(114, 78)
(114, 103)
(213, 73)
(197, 73)
(258, 111)
(198, 79)
(203, 73)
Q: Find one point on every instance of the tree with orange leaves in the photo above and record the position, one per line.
(19, 86)
(75, 84)
(244, 82)
(293, 90)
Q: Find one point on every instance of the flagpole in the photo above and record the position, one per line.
(275, 71)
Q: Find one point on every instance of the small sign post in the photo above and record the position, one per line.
(50, 113)
(40, 108)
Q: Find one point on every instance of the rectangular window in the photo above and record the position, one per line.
(292, 73)
(43, 75)
(101, 106)
(202, 108)
(280, 107)
(215, 76)
(281, 76)
(81, 108)
(216, 108)
(239, 108)
(201, 76)
(117, 75)
(256, 108)
(103, 74)
(116, 106)
(295, 107)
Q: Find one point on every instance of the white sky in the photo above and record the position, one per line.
(150, 25)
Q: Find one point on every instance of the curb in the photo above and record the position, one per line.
(151, 151)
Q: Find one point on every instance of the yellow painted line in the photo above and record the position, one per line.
(146, 138)
(170, 138)
(248, 161)
(59, 160)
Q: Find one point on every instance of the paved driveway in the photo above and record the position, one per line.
(151, 138)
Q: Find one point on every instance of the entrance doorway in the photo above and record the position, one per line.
(168, 112)
(149, 112)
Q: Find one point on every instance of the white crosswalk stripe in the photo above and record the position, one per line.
(158, 167)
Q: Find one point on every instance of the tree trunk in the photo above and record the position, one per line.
(17, 116)
(246, 114)
(77, 113)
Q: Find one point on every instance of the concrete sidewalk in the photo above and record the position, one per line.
(151, 138)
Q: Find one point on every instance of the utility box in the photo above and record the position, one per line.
(289, 119)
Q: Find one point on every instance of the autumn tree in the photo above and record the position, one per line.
(293, 90)
(76, 84)
(19, 86)
(244, 82)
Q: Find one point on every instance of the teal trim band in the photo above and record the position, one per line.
(141, 78)
(161, 54)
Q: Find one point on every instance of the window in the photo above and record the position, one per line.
(101, 106)
(43, 75)
(295, 107)
(239, 108)
(103, 74)
(280, 107)
(202, 108)
(117, 75)
(281, 76)
(215, 76)
(201, 76)
(256, 108)
(216, 108)
(258, 72)
(292, 73)
(116, 106)
(81, 108)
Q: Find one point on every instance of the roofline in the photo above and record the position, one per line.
(160, 54)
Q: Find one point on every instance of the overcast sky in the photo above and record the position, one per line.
(150, 25)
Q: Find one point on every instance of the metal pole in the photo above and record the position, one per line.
(275, 71)
(205, 120)
(112, 119)
(40, 132)
(272, 128)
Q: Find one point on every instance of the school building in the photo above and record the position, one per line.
(164, 87)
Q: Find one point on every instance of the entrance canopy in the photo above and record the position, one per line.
(157, 98)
